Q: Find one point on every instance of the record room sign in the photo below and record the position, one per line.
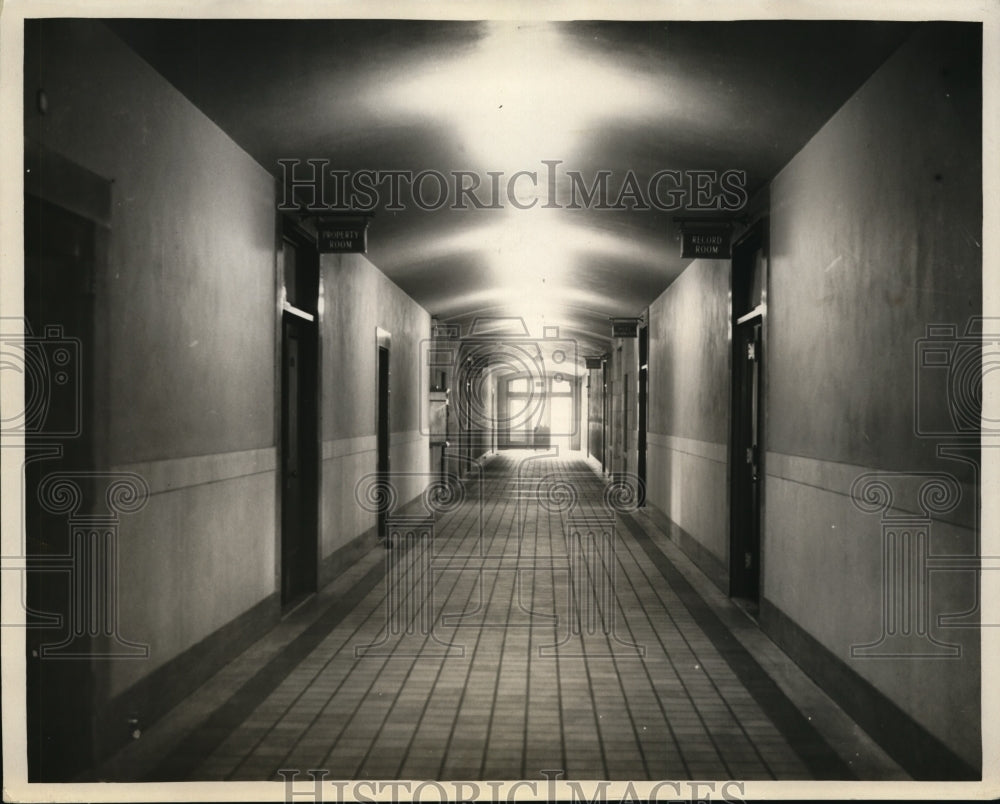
(706, 242)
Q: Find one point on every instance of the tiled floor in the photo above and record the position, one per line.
(535, 624)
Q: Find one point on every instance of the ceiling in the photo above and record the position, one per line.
(482, 97)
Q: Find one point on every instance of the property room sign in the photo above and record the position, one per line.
(342, 235)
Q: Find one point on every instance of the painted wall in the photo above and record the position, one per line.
(185, 334)
(358, 299)
(875, 233)
(688, 417)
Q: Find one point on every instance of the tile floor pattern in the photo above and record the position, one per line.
(511, 642)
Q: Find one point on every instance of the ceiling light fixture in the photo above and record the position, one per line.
(525, 94)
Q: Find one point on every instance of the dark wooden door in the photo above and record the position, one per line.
(746, 474)
(605, 413)
(382, 446)
(299, 445)
(746, 479)
(58, 361)
(643, 416)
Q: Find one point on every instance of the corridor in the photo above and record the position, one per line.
(476, 398)
(538, 623)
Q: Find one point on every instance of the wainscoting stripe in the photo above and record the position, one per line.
(172, 474)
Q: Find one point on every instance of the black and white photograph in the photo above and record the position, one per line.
(499, 401)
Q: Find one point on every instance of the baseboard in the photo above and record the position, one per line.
(153, 696)
(919, 752)
(703, 558)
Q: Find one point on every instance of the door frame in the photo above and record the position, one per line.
(383, 341)
(605, 412)
(642, 421)
(63, 699)
(753, 237)
(291, 230)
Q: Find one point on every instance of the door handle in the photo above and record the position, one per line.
(752, 461)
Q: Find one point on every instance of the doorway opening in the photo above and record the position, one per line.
(643, 417)
(623, 468)
(57, 348)
(749, 295)
(524, 409)
(604, 416)
(299, 418)
(382, 390)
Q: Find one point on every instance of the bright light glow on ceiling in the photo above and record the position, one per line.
(533, 258)
(536, 241)
(525, 94)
